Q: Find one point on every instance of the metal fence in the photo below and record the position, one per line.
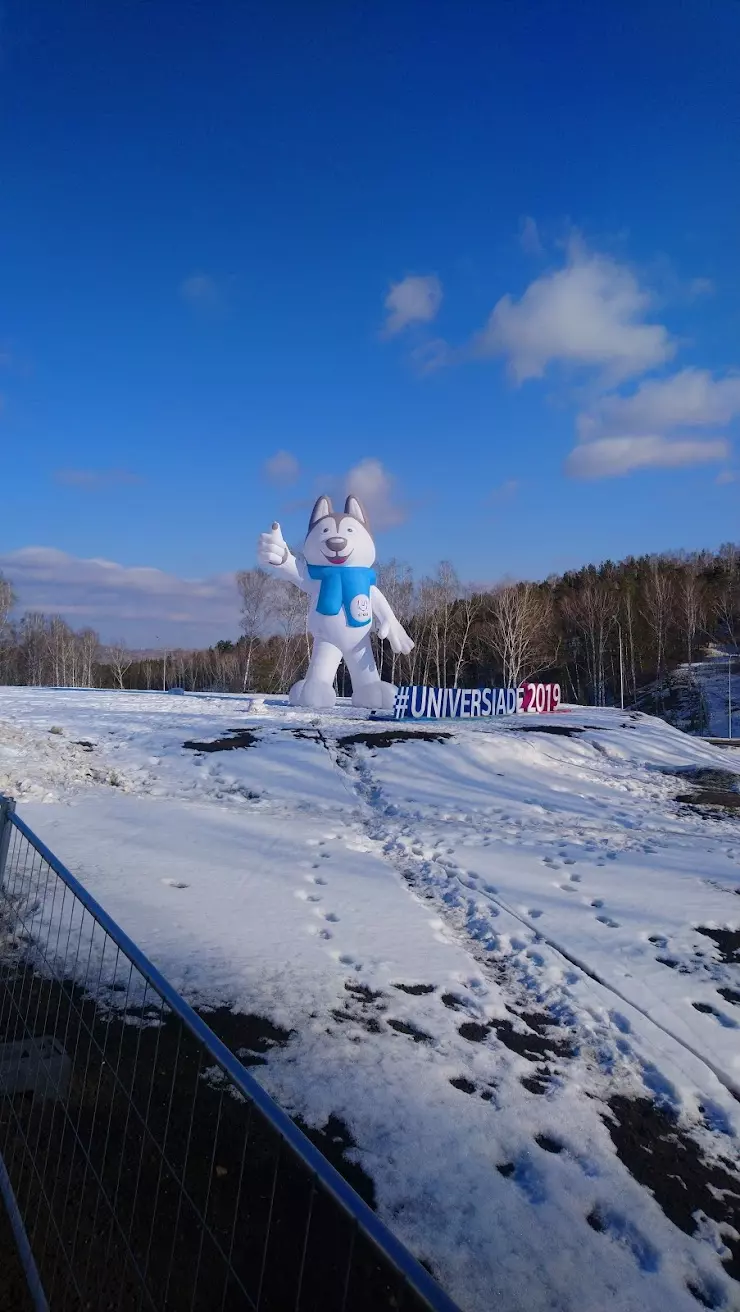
(141, 1165)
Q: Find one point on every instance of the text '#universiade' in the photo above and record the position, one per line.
(418, 702)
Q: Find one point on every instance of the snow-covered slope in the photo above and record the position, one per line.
(483, 944)
(696, 698)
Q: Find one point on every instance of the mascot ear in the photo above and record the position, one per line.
(320, 511)
(352, 507)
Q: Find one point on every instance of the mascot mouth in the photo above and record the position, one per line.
(338, 560)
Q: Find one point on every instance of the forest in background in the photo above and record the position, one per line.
(657, 611)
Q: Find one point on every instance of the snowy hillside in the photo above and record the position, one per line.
(696, 698)
(501, 953)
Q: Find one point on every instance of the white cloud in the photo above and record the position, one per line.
(413, 300)
(611, 457)
(689, 399)
(201, 290)
(588, 314)
(95, 480)
(142, 601)
(726, 476)
(282, 468)
(371, 483)
(529, 237)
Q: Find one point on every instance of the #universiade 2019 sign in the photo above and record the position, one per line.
(417, 702)
(344, 602)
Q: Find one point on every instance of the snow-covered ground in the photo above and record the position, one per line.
(719, 680)
(481, 945)
(697, 697)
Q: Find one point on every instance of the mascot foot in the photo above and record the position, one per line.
(376, 696)
(311, 692)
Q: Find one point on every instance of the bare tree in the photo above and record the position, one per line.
(628, 606)
(396, 581)
(119, 658)
(7, 601)
(592, 610)
(256, 592)
(88, 649)
(691, 607)
(657, 599)
(727, 603)
(466, 612)
(289, 608)
(519, 629)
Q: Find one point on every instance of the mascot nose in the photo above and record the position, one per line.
(337, 544)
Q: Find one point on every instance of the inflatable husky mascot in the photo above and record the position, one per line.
(336, 572)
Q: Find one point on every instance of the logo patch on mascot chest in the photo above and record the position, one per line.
(360, 609)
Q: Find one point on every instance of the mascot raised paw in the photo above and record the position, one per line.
(336, 570)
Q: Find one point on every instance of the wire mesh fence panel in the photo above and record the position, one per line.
(148, 1169)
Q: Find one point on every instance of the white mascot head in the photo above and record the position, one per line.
(336, 572)
(339, 539)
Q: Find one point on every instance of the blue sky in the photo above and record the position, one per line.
(485, 256)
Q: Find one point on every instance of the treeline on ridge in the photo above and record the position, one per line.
(660, 611)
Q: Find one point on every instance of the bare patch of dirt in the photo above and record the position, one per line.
(387, 737)
(237, 1173)
(557, 730)
(362, 992)
(548, 1144)
(538, 1083)
(727, 942)
(463, 1084)
(237, 738)
(249, 1036)
(533, 1042)
(14, 1294)
(714, 797)
(702, 776)
(413, 1031)
(667, 1161)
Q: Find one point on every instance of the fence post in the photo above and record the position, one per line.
(7, 807)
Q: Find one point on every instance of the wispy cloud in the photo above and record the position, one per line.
(726, 476)
(375, 487)
(612, 457)
(282, 468)
(140, 601)
(692, 398)
(432, 355)
(201, 291)
(529, 237)
(95, 480)
(701, 287)
(414, 299)
(589, 315)
(506, 491)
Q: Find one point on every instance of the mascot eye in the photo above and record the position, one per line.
(350, 530)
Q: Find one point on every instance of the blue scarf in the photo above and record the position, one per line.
(340, 584)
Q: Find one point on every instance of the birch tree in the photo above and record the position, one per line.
(691, 608)
(120, 660)
(519, 629)
(255, 591)
(593, 612)
(657, 601)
